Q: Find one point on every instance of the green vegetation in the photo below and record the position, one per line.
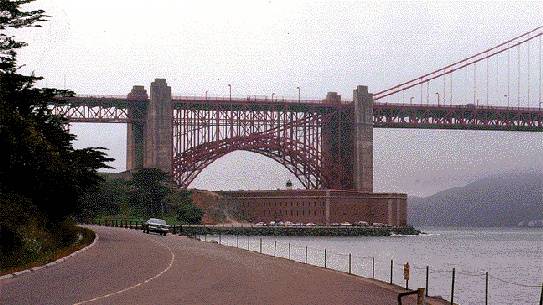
(148, 193)
(42, 177)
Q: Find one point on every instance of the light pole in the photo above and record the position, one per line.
(298, 93)
(206, 95)
(505, 96)
(437, 93)
(272, 96)
(411, 100)
(230, 91)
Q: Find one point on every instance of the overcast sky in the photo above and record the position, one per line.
(260, 47)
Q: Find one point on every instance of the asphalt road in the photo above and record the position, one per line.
(129, 267)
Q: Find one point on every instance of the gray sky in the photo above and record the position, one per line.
(260, 47)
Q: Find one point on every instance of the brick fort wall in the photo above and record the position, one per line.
(319, 206)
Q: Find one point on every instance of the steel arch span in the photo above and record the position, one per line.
(290, 137)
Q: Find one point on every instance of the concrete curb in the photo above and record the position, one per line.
(51, 264)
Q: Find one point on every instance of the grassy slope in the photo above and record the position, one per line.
(87, 238)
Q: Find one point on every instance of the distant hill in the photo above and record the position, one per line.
(505, 200)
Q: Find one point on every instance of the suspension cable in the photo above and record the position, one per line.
(467, 60)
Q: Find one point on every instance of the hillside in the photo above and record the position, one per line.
(506, 200)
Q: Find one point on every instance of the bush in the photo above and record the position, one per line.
(188, 213)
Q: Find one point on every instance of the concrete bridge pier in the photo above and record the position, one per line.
(149, 135)
(158, 148)
(363, 139)
(137, 107)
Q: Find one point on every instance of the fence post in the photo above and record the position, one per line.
(541, 297)
(288, 250)
(372, 267)
(452, 286)
(391, 270)
(261, 245)
(237, 241)
(427, 275)
(350, 263)
(306, 254)
(220, 238)
(486, 288)
(325, 258)
(275, 248)
(421, 296)
(205, 237)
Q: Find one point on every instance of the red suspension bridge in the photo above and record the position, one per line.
(326, 143)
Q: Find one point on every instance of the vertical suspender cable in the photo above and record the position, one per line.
(540, 72)
(508, 74)
(428, 92)
(528, 63)
(487, 60)
(518, 76)
(444, 89)
(421, 102)
(451, 87)
(475, 84)
(498, 97)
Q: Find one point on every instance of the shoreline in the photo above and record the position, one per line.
(190, 230)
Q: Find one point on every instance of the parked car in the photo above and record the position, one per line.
(288, 223)
(310, 224)
(362, 223)
(260, 224)
(335, 224)
(378, 224)
(156, 225)
(272, 223)
(346, 223)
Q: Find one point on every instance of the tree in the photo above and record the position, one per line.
(40, 171)
(188, 213)
(149, 187)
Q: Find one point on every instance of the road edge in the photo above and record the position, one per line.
(53, 263)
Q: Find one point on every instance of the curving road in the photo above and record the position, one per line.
(129, 267)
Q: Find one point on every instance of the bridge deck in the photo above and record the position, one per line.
(113, 109)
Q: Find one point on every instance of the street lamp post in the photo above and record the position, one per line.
(411, 100)
(272, 96)
(206, 95)
(230, 92)
(438, 98)
(298, 93)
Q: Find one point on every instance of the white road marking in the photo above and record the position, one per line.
(138, 284)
